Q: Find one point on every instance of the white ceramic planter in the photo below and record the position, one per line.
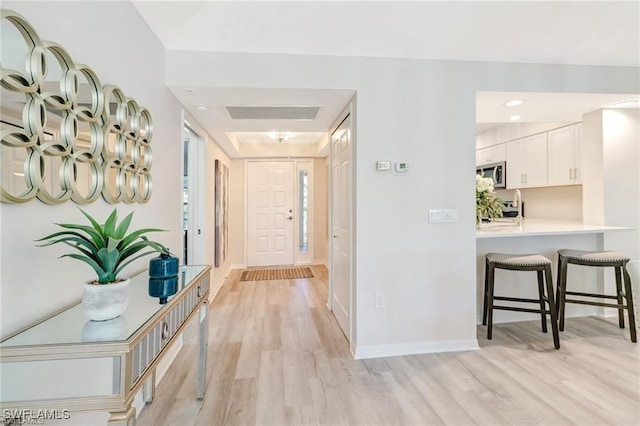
(98, 331)
(101, 302)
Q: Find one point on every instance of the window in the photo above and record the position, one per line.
(303, 223)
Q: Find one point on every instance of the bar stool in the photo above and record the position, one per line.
(612, 259)
(520, 262)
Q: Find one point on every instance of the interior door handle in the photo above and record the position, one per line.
(289, 217)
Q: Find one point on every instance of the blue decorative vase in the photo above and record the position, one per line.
(163, 266)
(163, 288)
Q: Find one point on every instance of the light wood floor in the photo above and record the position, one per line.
(277, 357)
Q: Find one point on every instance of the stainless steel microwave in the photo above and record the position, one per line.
(496, 171)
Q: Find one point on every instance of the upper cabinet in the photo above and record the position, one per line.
(550, 158)
(527, 162)
(492, 154)
(564, 156)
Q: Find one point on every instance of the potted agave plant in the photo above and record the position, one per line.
(108, 249)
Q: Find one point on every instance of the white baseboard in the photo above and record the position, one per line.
(238, 266)
(573, 311)
(428, 347)
(215, 288)
(321, 262)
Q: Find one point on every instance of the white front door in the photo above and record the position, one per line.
(341, 225)
(270, 231)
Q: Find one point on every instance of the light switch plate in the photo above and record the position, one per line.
(383, 165)
(443, 216)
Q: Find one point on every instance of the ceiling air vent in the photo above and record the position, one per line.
(273, 113)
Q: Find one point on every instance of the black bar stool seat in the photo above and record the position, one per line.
(520, 262)
(612, 259)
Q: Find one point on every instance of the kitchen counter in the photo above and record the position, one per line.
(532, 227)
(544, 237)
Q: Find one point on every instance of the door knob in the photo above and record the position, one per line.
(289, 217)
(335, 236)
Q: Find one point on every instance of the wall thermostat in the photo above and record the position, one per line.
(400, 167)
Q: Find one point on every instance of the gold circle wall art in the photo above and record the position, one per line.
(65, 136)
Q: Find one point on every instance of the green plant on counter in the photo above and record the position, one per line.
(106, 248)
(488, 204)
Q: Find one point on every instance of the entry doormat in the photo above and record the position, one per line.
(276, 274)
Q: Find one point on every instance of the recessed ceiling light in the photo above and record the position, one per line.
(514, 102)
(514, 118)
(627, 104)
(202, 108)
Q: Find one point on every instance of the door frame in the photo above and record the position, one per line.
(297, 258)
(349, 110)
(308, 257)
(197, 201)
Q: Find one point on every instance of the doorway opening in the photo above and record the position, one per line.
(340, 270)
(193, 201)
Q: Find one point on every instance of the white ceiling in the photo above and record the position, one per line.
(226, 131)
(589, 33)
(542, 107)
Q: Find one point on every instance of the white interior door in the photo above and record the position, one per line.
(341, 225)
(270, 206)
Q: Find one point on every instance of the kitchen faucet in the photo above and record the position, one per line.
(517, 202)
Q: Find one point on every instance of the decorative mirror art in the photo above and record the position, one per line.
(65, 136)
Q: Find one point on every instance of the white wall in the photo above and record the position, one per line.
(113, 40)
(621, 150)
(236, 221)
(116, 43)
(281, 150)
(422, 112)
(621, 153)
(611, 193)
(611, 151)
(321, 210)
(213, 152)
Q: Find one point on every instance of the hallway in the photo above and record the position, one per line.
(277, 356)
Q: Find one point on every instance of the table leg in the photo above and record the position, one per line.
(202, 352)
(149, 388)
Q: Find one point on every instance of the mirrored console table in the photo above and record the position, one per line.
(67, 363)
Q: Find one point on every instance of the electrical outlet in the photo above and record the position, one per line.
(379, 300)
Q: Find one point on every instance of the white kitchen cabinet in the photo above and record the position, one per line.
(564, 156)
(491, 154)
(527, 162)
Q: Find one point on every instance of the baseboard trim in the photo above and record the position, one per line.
(428, 347)
(321, 262)
(213, 292)
(238, 266)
